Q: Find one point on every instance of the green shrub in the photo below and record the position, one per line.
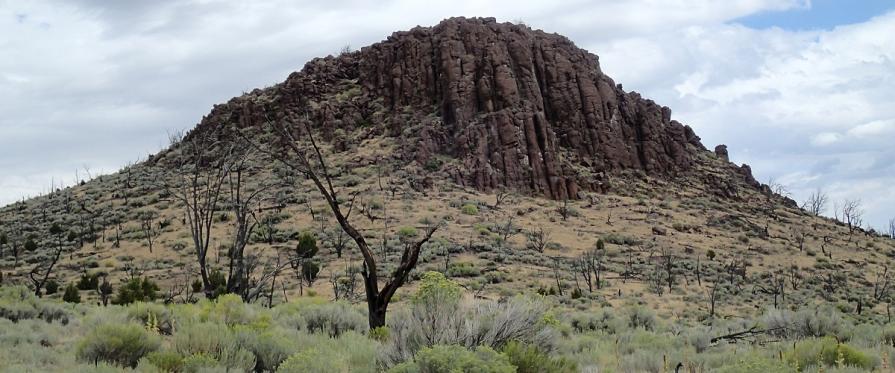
(213, 340)
(119, 344)
(470, 209)
(827, 351)
(166, 361)
(201, 363)
(88, 282)
(351, 352)
(450, 359)
(51, 287)
(136, 290)
(756, 363)
(71, 294)
(463, 270)
(528, 359)
(640, 317)
(334, 319)
(153, 316)
(19, 303)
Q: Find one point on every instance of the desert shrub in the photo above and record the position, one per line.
(19, 303)
(166, 361)
(153, 316)
(463, 270)
(217, 281)
(887, 335)
(51, 287)
(119, 344)
(314, 360)
(621, 240)
(807, 323)
(470, 209)
(71, 294)
(449, 359)
(271, 348)
(334, 319)
(528, 359)
(201, 363)
(136, 290)
(88, 281)
(756, 363)
(826, 351)
(436, 316)
(213, 340)
(350, 352)
(640, 317)
(230, 310)
(600, 321)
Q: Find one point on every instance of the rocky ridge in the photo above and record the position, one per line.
(511, 107)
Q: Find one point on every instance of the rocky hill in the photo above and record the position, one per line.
(539, 163)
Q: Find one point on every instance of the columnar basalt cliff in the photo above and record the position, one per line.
(516, 107)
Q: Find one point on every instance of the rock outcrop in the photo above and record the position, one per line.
(516, 107)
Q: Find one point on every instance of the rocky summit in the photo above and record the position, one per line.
(516, 108)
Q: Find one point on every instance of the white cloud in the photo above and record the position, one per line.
(825, 138)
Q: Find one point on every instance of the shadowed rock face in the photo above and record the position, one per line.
(516, 108)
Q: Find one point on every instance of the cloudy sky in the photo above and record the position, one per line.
(802, 90)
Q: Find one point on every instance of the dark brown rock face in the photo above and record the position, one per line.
(517, 108)
(522, 108)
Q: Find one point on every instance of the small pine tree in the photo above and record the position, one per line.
(51, 287)
(71, 294)
(105, 291)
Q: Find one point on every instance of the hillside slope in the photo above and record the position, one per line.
(472, 122)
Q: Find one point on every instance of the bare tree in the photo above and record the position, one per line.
(800, 235)
(852, 214)
(564, 210)
(240, 202)
(557, 269)
(507, 230)
(499, 199)
(892, 228)
(774, 286)
(713, 298)
(147, 225)
(538, 239)
(40, 280)
(882, 284)
(202, 169)
(295, 156)
(4, 240)
(590, 266)
(816, 203)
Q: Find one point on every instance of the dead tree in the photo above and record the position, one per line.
(816, 203)
(4, 240)
(892, 228)
(882, 284)
(295, 156)
(241, 201)
(564, 210)
(775, 286)
(556, 274)
(795, 277)
(147, 225)
(507, 230)
(499, 199)
(852, 214)
(202, 168)
(800, 236)
(713, 299)
(38, 279)
(591, 266)
(538, 239)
